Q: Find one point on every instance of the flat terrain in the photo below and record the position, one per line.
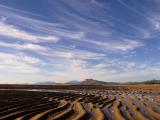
(76, 102)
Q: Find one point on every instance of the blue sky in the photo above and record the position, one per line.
(63, 40)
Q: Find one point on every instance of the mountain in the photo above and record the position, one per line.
(146, 82)
(151, 82)
(73, 82)
(91, 82)
(45, 83)
(96, 82)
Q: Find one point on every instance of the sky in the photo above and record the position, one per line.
(63, 40)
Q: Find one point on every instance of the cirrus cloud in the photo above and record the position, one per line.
(15, 32)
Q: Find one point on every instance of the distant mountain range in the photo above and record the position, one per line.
(91, 82)
(147, 82)
(73, 82)
(97, 82)
(46, 83)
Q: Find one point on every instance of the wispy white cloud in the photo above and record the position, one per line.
(14, 32)
(155, 21)
(122, 2)
(25, 46)
(60, 31)
(68, 53)
(127, 45)
(18, 63)
(121, 45)
(51, 31)
(11, 59)
(74, 54)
